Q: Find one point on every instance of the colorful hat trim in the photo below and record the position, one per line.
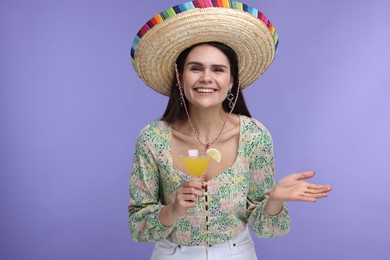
(201, 4)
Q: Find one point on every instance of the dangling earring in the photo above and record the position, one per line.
(230, 98)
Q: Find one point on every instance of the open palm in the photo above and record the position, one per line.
(294, 187)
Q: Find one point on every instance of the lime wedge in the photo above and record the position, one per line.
(215, 154)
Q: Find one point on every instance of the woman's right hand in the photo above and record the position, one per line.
(185, 199)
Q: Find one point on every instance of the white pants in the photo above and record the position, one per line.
(239, 248)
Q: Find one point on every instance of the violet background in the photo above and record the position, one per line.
(71, 107)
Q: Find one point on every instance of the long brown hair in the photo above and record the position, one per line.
(175, 111)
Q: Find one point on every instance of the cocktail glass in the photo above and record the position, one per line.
(196, 164)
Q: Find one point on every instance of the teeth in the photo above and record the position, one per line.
(205, 90)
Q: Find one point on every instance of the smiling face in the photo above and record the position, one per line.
(206, 77)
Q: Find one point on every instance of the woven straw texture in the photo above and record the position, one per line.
(250, 37)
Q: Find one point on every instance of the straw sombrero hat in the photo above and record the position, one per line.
(243, 28)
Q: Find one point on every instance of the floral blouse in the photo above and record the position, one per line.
(235, 197)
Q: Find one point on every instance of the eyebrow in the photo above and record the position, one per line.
(201, 64)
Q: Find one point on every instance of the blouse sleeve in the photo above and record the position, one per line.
(262, 181)
(144, 204)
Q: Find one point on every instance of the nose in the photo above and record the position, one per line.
(206, 77)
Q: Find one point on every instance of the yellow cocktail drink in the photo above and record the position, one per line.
(196, 165)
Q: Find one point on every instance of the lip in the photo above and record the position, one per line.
(206, 90)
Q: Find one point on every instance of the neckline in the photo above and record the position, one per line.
(239, 152)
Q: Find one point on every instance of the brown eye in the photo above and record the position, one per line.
(195, 68)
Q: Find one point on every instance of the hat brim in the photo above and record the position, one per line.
(253, 40)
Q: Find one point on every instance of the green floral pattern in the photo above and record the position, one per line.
(236, 197)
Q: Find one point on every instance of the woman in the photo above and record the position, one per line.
(206, 109)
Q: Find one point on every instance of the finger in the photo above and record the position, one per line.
(186, 204)
(320, 195)
(188, 197)
(305, 175)
(306, 198)
(193, 183)
(316, 189)
(322, 189)
(316, 194)
(319, 187)
(192, 190)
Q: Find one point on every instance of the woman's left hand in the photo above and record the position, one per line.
(294, 188)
